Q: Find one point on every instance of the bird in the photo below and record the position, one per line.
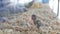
(33, 17)
(36, 22)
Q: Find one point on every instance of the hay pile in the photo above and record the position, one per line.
(23, 24)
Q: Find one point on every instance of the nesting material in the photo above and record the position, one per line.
(23, 24)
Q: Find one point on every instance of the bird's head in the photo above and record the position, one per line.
(33, 17)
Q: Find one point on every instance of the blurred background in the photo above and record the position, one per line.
(8, 7)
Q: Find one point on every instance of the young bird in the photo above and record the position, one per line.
(36, 22)
(34, 18)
